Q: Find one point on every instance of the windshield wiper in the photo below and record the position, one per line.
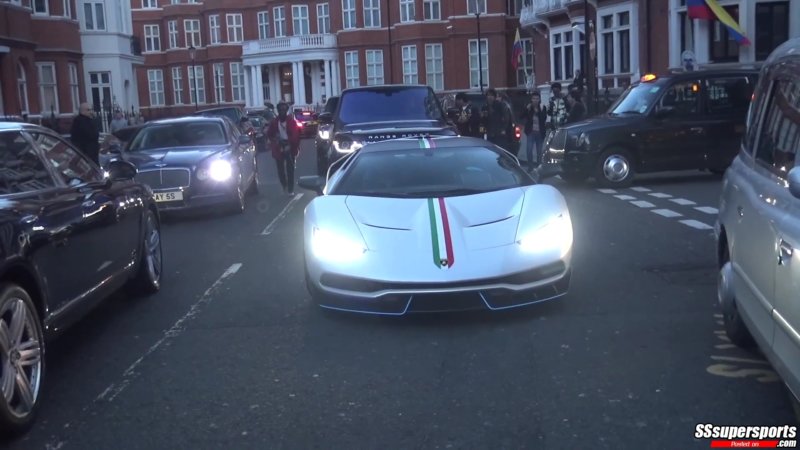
(629, 112)
(378, 194)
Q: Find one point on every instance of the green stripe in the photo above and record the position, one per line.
(422, 143)
(434, 234)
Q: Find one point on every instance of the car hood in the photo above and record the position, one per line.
(172, 156)
(474, 222)
(603, 122)
(381, 131)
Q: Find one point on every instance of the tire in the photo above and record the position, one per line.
(614, 168)
(238, 205)
(147, 280)
(735, 328)
(255, 185)
(26, 354)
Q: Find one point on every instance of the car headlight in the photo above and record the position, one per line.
(329, 246)
(556, 234)
(324, 132)
(346, 146)
(583, 140)
(219, 170)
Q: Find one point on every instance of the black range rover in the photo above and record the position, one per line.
(681, 121)
(379, 113)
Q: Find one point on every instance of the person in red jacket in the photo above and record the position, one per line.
(284, 134)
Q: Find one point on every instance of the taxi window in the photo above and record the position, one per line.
(779, 138)
(683, 97)
(731, 94)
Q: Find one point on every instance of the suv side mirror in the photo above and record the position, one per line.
(115, 148)
(119, 170)
(312, 183)
(325, 117)
(794, 182)
(245, 139)
(664, 112)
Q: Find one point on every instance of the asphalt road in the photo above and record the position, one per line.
(232, 353)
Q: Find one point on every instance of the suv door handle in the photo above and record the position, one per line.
(786, 252)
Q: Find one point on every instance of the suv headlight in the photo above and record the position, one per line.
(324, 132)
(346, 145)
(556, 234)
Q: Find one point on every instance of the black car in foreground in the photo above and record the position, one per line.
(195, 162)
(680, 121)
(70, 235)
(378, 113)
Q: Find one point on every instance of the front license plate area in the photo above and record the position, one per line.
(174, 196)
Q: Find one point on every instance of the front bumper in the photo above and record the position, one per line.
(386, 298)
(198, 201)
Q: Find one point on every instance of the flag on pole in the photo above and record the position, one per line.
(516, 54)
(698, 9)
(733, 27)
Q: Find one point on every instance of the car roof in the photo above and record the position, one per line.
(190, 119)
(378, 87)
(448, 142)
(788, 50)
(707, 73)
(221, 108)
(20, 126)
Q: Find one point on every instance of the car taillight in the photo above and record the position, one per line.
(517, 132)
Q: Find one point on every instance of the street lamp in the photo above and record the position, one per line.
(477, 10)
(192, 52)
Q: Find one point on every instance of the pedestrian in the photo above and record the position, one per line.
(557, 108)
(469, 119)
(84, 133)
(534, 116)
(497, 117)
(119, 121)
(284, 133)
(577, 110)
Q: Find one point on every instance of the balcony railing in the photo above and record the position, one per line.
(290, 43)
(534, 10)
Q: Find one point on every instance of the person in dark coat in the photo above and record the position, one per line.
(469, 119)
(284, 133)
(497, 117)
(84, 133)
(535, 118)
(577, 110)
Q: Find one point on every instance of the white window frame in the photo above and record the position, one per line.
(22, 89)
(526, 67)
(408, 11)
(93, 11)
(484, 58)
(195, 34)
(172, 32)
(74, 87)
(177, 86)
(471, 6)
(410, 64)
(279, 19)
(214, 30)
(67, 8)
(372, 13)
(633, 44)
(349, 14)
(238, 82)
(374, 61)
(152, 41)
(218, 70)
(434, 66)
(432, 10)
(149, 4)
(236, 26)
(576, 52)
(264, 25)
(323, 18)
(42, 86)
(38, 12)
(298, 18)
(351, 69)
(155, 87)
(201, 84)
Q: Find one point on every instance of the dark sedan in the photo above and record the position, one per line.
(70, 235)
(195, 162)
(307, 121)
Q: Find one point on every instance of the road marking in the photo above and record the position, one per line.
(640, 189)
(643, 204)
(607, 191)
(666, 212)
(742, 360)
(682, 201)
(707, 209)
(111, 392)
(660, 195)
(625, 197)
(271, 227)
(696, 224)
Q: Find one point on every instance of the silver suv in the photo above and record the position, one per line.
(758, 230)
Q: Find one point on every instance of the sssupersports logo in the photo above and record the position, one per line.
(708, 430)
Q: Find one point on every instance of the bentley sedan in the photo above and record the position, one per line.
(70, 235)
(195, 162)
(434, 224)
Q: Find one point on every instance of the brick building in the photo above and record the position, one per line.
(40, 60)
(248, 53)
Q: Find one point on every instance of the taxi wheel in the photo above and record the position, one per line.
(735, 328)
(614, 168)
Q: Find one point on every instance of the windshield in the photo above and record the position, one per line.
(416, 173)
(636, 99)
(389, 104)
(190, 134)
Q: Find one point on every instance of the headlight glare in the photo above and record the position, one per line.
(346, 146)
(334, 247)
(324, 132)
(554, 235)
(220, 170)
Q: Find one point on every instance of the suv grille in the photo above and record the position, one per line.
(165, 178)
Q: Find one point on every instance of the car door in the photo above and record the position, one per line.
(725, 104)
(672, 137)
(107, 233)
(242, 153)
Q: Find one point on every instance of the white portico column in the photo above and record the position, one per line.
(259, 87)
(248, 94)
(302, 89)
(274, 85)
(337, 81)
(295, 82)
(328, 81)
(316, 80)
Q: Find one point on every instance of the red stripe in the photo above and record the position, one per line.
(743, 443)
(448, 241)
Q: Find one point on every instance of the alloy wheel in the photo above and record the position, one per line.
(152, 248)
(20, 357)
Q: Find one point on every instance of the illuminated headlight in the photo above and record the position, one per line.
(324, 132)
(554, 235)
(219, 170)
(346, 146)
(106, 175)
(330, 246)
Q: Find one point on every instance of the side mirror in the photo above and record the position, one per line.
(312, 183)
(120, 170)
(546, 171)
(245, 139)
(664, 112)
(794, 182)
(115, 148)
(325, 117)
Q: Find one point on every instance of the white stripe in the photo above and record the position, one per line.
(682, 201)
(697, 224)
(607, 191)
(271, 227)
(440, 228)
(666, 212)
(640, 189)
(660, 195)
(707, 209)
(625, 197)
(643, 204)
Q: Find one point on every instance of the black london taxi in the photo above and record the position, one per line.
(680, 121)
